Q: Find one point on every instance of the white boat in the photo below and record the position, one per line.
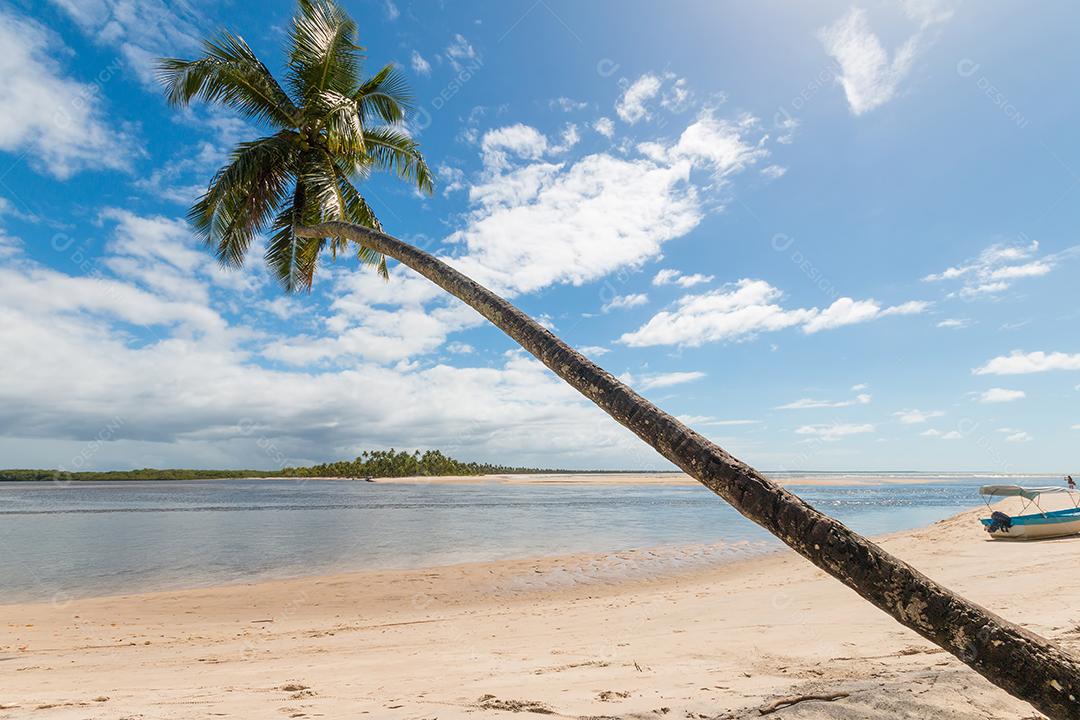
(1032, 526)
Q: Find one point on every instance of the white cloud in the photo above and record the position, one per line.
(593, 350)
(702, 420)
(773, 171)
(667, 276)
(60, 123)
(869, 78)
(678, 96)
(787, 126)
(546, 321)
(1021, 363)
(1019, 436)
(459, 348)
(142, 30)
(859, 387)
(717, 144)
(1000, 395)
(917, 417)
(811, 404)
(519, 140)
(729, 313)
(569, 138)
(846, 311)
(216, 406)
(451, 178)
(378, 321)
(82, 302)
(462, 55)
(950, 435)
(911, 307)
(742, 311)
(605, 127)
(392, 12)
(662, 380)
(193, 388)
(834, 432)
(611, 212)
(632, 106)
(420, 66)
(997, 267)
(927, 12)
(1031, 269)
(620, 302)
(1076, 427)
(9, 246)
(567, 104)
(954, 323)
(183, 179)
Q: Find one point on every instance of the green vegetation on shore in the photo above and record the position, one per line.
(142, 474)
(374, 463)
(391, 463)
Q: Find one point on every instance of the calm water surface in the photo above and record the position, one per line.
(58, 542)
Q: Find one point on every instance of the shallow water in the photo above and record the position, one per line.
(82, 539)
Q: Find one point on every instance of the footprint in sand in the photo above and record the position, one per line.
(299, 692)
(490, 702)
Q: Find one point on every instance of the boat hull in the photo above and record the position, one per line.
(1060, 523)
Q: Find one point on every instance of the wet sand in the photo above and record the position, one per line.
(659, 478)
(644, 634)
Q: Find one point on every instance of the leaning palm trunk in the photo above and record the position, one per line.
(1020, 662)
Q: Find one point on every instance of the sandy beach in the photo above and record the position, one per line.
(657, 478)
(628, 635)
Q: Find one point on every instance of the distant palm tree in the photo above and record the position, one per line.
(331, 128)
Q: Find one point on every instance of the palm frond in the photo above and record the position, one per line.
(243, 196)
(324, 54)
(293, 259)
(231, 74)
(394, 150)
(331, 196)
(333, 130)
(358, 212)
(338, 120)
(385, 95)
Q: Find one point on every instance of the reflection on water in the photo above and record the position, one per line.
(107, 538)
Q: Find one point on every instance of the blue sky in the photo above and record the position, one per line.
(838, 236)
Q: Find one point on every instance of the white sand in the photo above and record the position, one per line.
(582, 636)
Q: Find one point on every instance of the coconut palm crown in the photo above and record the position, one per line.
(330, 127)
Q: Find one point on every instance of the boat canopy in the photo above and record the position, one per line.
(1028, 493)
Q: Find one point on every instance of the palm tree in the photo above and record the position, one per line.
(331, 128)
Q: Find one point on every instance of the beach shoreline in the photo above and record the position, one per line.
(616, 635)
(662, 478)
(666, 479)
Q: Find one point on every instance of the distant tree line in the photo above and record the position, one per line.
(374, 464)
(401, 463)
(143, 474)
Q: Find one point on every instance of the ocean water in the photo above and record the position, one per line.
(84, 539)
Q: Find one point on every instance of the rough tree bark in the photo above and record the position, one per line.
(1020, 662)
